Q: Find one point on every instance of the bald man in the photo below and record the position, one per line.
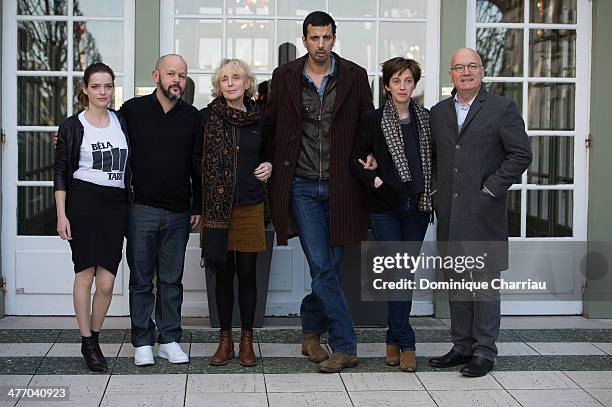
(481, 148)
(165, 159)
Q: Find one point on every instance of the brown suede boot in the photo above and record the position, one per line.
(311, 348)
(225, 351)
(337, 362)
(408, 361)
(245, 351)
(393, 355)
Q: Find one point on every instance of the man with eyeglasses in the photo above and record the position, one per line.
(481, 149)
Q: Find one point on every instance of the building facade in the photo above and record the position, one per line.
(548, 55)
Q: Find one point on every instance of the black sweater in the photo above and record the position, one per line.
(166, 154)
(248, 190)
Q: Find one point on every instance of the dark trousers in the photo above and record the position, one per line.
(407, 224)
(475, 317)
(244, 265)
(156, 242)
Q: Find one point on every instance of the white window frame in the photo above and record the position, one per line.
(10, 182)
(581, 110)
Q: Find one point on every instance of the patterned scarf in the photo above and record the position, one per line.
(392, 131)
(219, 172)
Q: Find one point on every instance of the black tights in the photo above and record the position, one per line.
(244, 265)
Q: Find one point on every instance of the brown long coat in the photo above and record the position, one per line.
(348, 217)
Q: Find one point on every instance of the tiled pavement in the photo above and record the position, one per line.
(536, 367)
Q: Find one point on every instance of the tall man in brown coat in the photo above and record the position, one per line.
(481, 148)
(313, 115)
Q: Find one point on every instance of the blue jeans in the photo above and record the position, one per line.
(156, 242)
(325, 308)
(407, 223)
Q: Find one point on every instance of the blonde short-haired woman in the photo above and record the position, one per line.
(234, 173)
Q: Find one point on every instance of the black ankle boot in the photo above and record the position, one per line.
(88, 350)
(95, 335)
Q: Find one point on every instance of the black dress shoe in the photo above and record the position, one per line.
(451, 359)
(477, 367)
(89, 352)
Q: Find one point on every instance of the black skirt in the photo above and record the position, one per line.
(98, 221)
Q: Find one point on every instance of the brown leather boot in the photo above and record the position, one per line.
(311, 348)
(393, 355)
(408, 361)
(247, 355)
(225, 351)
(337, 362)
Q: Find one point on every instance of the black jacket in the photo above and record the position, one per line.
(371, 139)
(248, 189)
(68, 152)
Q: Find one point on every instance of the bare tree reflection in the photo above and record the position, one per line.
(42, 101)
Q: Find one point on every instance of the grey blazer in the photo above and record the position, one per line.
(491, 150)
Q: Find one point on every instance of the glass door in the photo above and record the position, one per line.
(47, 46)
(537, 52)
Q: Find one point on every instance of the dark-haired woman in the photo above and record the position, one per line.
(399, 190)
(91, 184)
(234, 173)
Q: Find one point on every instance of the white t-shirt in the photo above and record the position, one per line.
(103, 153)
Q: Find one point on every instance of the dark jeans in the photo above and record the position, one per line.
(325, 308)
(156, 242)
(407, 223)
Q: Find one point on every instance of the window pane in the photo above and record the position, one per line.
(290, 40)
(251, 41)
(354, 8)
(499, 11)
(553, 11)
(198, 7)
(551, 106)
(553, 160)
(250, 7)
(97, 8)
(36, 211)
(418, 95)
(36, 156)
(552, 53)
(357, 41)
(116, 101)
(41, 45)
(41, 101)
(98, 41)
(37, 7)
(501, 50)
(402, 39)
(199, 42)
(299, 7)
(510, 90)
(514, 213)
(403, 8)
(550, 213)
(203, 90)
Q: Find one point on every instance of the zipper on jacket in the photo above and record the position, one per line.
(318, 109)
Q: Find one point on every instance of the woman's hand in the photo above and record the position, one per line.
(370, 163)
(377, 182)
(263, 171)
(63, 228)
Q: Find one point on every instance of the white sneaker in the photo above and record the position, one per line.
(143, 355)
(173, 352)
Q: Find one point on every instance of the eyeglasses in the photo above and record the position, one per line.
(461, 68)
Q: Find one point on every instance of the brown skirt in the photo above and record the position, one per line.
(246, 231)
